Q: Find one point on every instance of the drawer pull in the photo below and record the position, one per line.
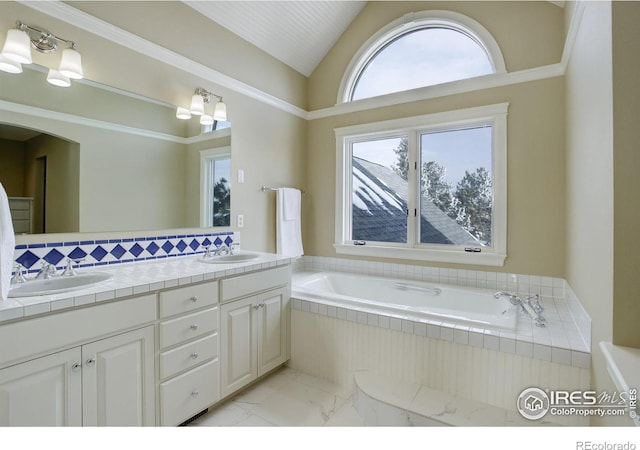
(194, 327)
(195, 393)
(194, 299)
(194, 355)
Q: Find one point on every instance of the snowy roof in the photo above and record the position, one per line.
(380, 209)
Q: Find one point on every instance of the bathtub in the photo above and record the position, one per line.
(412, 300)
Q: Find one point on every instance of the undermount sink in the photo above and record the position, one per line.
(227, 259)
(58, 284)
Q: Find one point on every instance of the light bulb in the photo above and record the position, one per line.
(183, 113)
(206, 120)
(57, 79)
(10, 66)
(197, 105)
(220, 112)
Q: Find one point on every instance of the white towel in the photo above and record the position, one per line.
(288, 227)
(7, 245)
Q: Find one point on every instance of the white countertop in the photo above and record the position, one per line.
(135, 278)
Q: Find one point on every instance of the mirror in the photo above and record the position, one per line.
(90, 158)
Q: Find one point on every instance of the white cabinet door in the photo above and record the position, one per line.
(272, 330)
(43, 392)
(118, 380)
(237, 344)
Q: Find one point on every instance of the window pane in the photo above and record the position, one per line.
(456, 191)
(379, 191)
(221, 191)
(420, 58)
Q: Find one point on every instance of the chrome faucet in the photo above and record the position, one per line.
(46, 271)
(222, 249)
(531, 306)
(69, 270)
(207, 253)
(18, 277)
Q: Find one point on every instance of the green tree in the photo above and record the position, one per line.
(221, 203)
(402, 153)
(474, 195)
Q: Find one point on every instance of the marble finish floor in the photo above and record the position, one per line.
(288, 398)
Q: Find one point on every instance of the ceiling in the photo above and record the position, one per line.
(298, 33)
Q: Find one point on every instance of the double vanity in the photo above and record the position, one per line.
(147, 343)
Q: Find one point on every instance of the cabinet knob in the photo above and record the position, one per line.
(194, 355)
(91, 362)
(195, 393)
(256, 306)
(261, 305)
(76, 367)
(194, 299)
(194, 327)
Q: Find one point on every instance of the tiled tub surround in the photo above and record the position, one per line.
(334, 342)
(135, 278)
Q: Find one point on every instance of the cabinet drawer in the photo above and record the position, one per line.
(188, 355)
(175, 331)
(185, 299)
(188, 394)
(254, 282)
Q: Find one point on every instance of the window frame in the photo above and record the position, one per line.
(412, 22)
(206, 200)
(412, 127)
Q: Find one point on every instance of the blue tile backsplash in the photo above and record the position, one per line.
(116, 251)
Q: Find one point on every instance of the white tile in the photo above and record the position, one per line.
(395, 324)
(491, 342)
(542, 352)
(507, 345)
(296, 304)
(476, 339)
(561, 356)
(407, 326)
(384, 322)
(446, 332)
(313, 308)
(420, 329)
(372, 320)
(524, 349)
(361, 317)
(322, 309)
(433, 330)
(304, 306)
(461, 336)
(331, 311)
(581, 359)
(351, 315)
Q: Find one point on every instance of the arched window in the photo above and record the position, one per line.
(418, 50)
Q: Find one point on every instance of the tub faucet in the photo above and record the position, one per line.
(531, 306)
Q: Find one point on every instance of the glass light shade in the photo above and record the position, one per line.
(183, 113)
(71, 64)
(57, 79)
(17, 47)
(7, 65)
(206, 120)
(197, 105)
(220, 112)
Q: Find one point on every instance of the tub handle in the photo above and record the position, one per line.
(411, 287)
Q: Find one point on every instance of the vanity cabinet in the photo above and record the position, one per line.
(189, 366)
(91, 375)
(108, 382)
(253, 329)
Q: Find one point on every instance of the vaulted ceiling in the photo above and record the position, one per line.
(297, 33)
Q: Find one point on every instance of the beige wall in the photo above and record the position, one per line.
(626, 163)
(590, 228)
(535, 142)
(62, 181)
(12, 167)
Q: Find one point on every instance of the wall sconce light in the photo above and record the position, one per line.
(197, 108)
(16, 51)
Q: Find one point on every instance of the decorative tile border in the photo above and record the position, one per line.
(116, 251)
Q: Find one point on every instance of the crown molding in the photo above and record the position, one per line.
(105, 30)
